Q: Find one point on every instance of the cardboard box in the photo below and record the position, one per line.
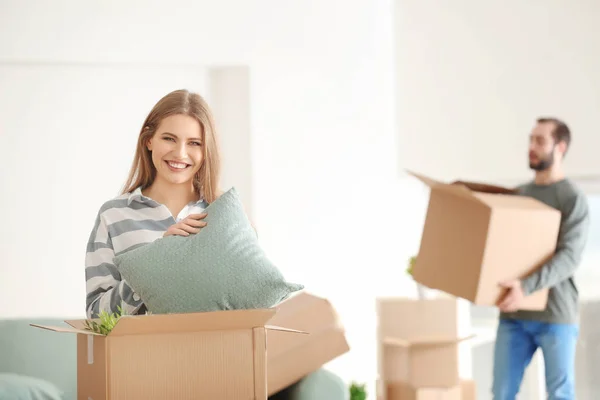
(418, 342)
(477, 235)
(212, 355)
(291, 357)
(401, 391)
(426, 362)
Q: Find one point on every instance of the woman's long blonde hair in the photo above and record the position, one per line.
(143, 172)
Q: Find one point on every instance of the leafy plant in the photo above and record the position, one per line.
(358, 391)
(107, 322)
(421, 290)
(411, 264)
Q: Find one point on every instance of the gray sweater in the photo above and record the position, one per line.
(557, 273)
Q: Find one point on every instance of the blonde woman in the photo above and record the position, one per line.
(174, 176)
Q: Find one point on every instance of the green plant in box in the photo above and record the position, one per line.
(411, 264)
(421, 290)
(106, 323)
(358, 392)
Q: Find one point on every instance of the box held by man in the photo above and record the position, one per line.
(477, 235)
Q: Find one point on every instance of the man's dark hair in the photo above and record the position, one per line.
(561, 132)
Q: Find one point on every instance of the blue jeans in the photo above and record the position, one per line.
(517, 341)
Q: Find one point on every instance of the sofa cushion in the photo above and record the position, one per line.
(319, 385)
(24, 387)
(29, 351)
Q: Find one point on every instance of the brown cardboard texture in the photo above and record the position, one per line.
(418, 341)
(426, 362)
(216, 355)
(469, 389)
(291, 357)
(401, 391)
(476, 236)
(409, 318)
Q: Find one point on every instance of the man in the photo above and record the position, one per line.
(554, 330)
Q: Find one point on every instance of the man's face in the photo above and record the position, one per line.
(542, 147)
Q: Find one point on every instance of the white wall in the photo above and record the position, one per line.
(473, 76)
(229, 99)
(323, 149)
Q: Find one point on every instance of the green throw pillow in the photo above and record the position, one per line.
(222, 267)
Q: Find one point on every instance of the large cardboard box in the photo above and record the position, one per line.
(292, 357)
(419, 341)
(212, 355)
(477, 235)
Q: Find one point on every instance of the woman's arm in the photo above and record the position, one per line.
(105, 290)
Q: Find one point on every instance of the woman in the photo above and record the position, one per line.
(174, 176)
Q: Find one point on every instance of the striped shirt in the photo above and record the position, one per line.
(123, 223)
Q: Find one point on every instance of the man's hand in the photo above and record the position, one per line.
(514, 296)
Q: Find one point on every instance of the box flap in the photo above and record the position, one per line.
(473, 186)
(455, 189)
(299, 301)
(426, 180)
(192, 322)
(80, 323)
(514, 202)
(66, 329)
(279, 328)
(288, 363)
(306, 312)
(484, 187)
(425, 341)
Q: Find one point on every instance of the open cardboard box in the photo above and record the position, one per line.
(210, 355)
(478, 235)
(419, 342)
(424, 362)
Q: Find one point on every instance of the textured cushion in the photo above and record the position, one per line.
(22, 387)
(220, 268)
(319, 385)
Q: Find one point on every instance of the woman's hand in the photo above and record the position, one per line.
(192, 224)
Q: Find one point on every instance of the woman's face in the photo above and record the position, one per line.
(177, 149)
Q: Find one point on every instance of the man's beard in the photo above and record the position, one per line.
(544, 163)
